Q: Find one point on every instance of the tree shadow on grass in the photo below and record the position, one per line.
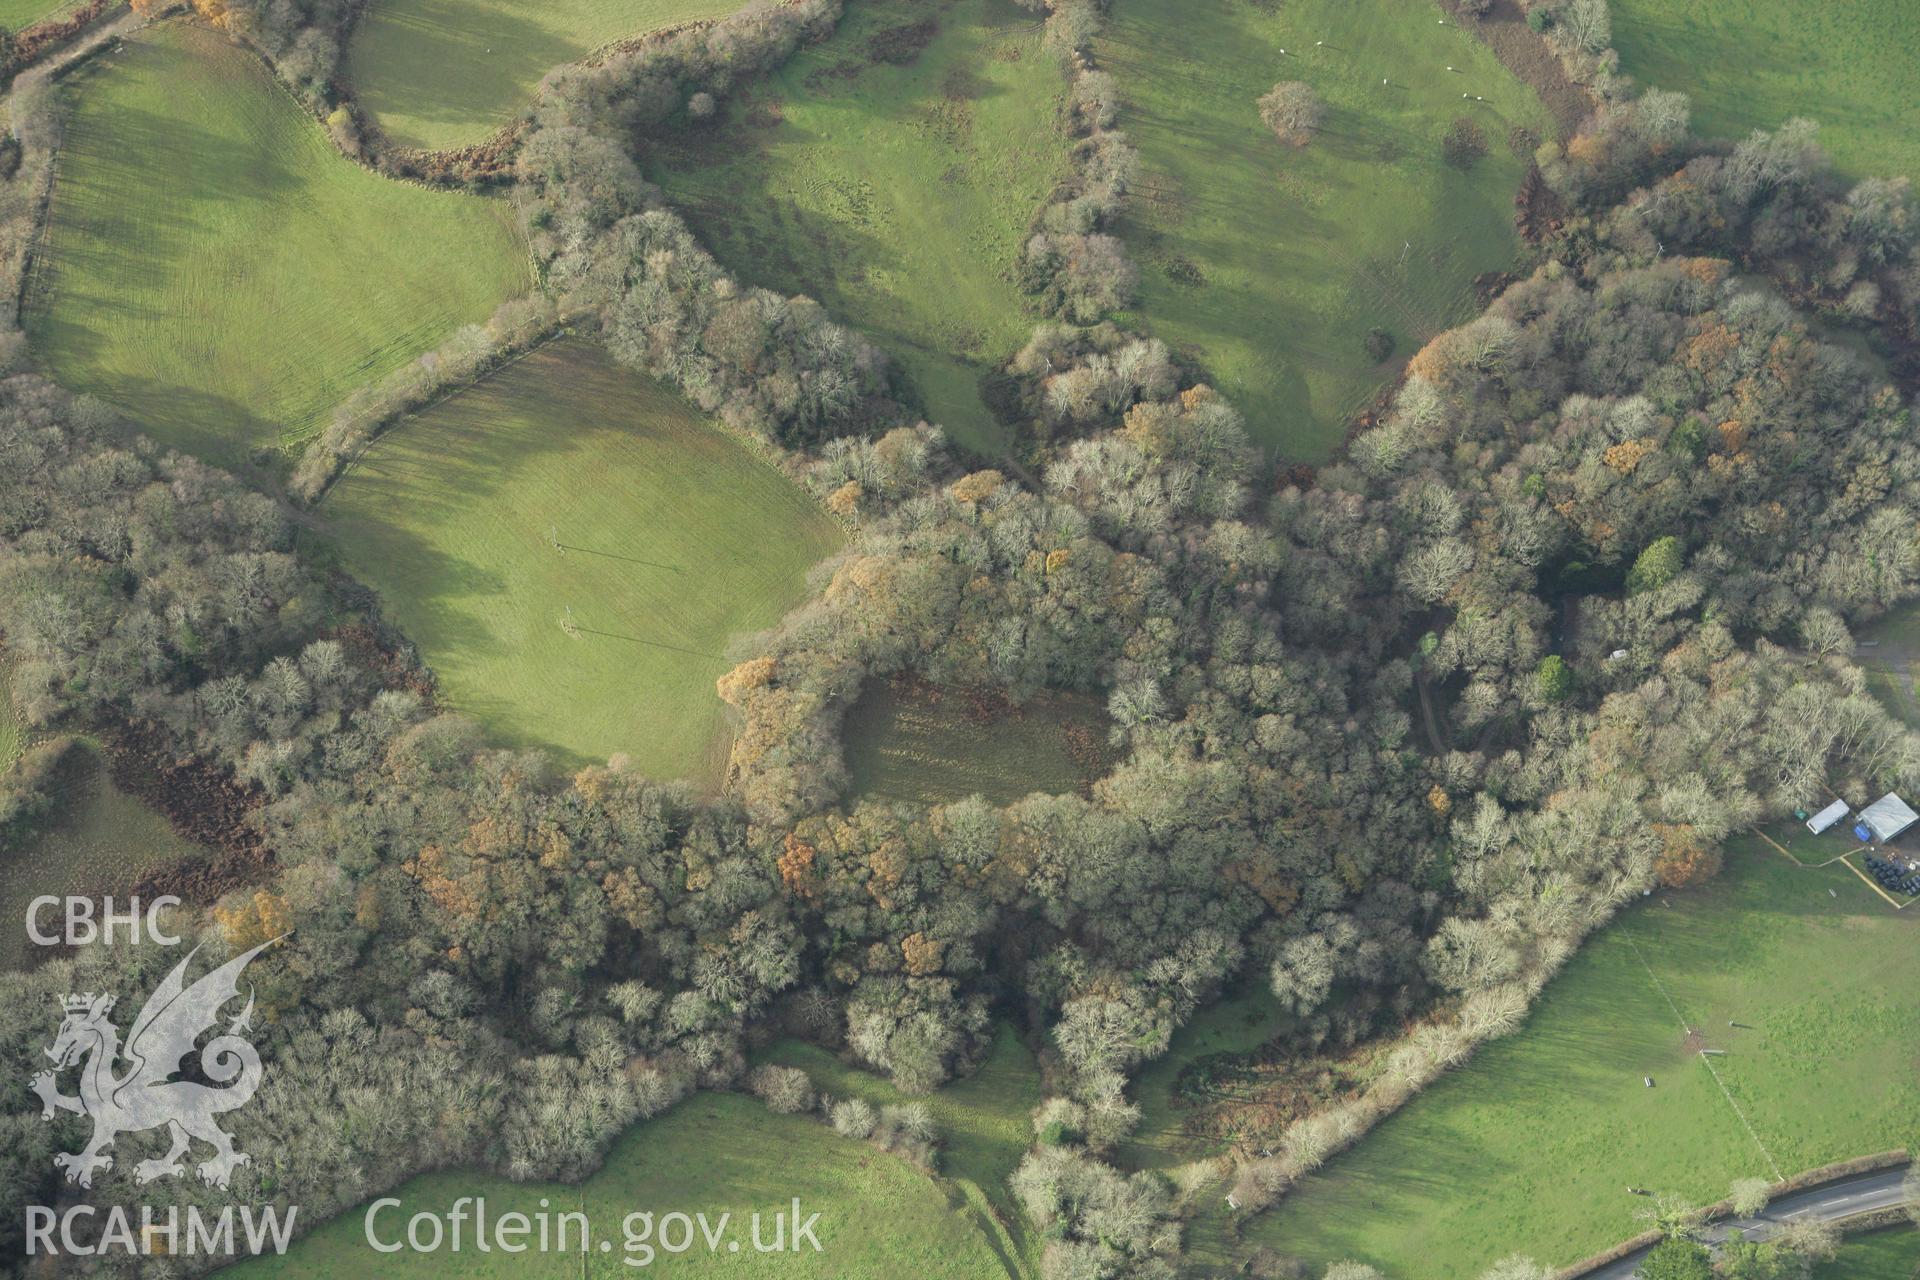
(467, 64)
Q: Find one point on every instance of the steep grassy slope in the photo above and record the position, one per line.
(444, 73)
(1270, 263)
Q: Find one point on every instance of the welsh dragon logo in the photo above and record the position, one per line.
(143, 1096)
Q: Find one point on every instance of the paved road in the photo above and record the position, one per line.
(1847, 1198)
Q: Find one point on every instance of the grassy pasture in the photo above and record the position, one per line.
(676, 535)
(16, 15)
(1531, 1145)
(216, 267)
(927, 745)
(444, 73)
(880, 1218)
(1751, 64)
(98, 840)
(893, 185)
(1270, 263)
(1893, 1254)
(985, 1121)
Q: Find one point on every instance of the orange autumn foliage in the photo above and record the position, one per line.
(1684, 859)
(795, 865)
(979, 485)
(246, 921)
(1626, 455)
(922, 954)
(1589, 149)
(733, 687)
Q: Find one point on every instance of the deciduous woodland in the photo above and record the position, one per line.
(1391, 736)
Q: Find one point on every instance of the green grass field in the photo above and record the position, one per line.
(880, 1218)
(676, 538)
(18, 14)
(218, 269)
(985, 1121)
(444, 73)
(1884, 1255)
(922, 744)
(98, 840)
(1238, 1024)
(1530, 1146)
(1270, 263)
(1750, 64)
(895, 188)
(1888, 651)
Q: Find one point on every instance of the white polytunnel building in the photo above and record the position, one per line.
(1887, 817)
(1827, 817)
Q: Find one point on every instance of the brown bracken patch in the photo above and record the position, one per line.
(1526, 54)
(900, 46)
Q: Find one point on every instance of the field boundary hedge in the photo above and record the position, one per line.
(1806, 1180)
(51, 33)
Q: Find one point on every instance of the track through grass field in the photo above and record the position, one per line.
(1531, 1145)
(673, 538)
(213, 265)
(985, 1123)
(444, 73)
(715, 1153)
(1270, 263)
(890, 172)
(1751, 64)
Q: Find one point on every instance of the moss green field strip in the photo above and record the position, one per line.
(880, 1218)
(1531, 1145)
(673, 537)
(13, 731)
(443, 73)
(1270, 263)
(892, 180)
(216, 267)
(1750, 64)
